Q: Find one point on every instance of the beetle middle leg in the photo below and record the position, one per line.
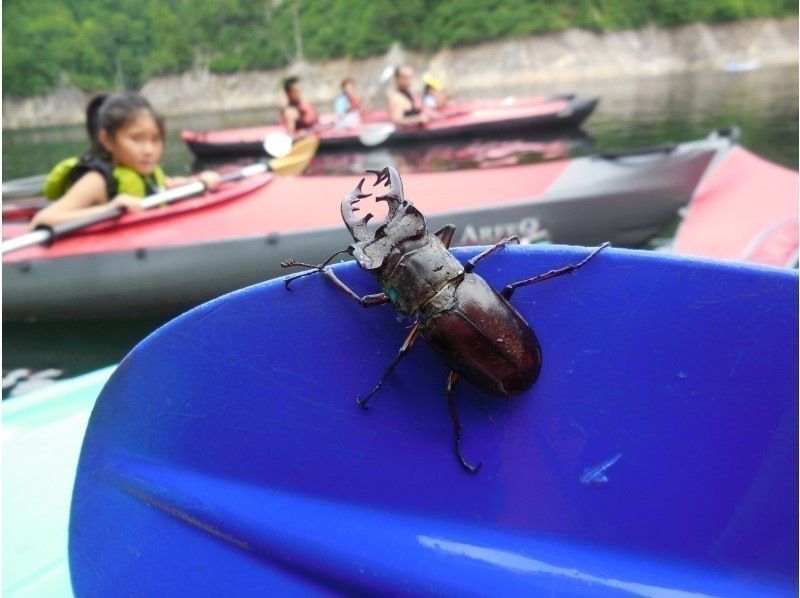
(510, 288)
(407, 344)
(446, 234)
(470, 265)
(452, 378)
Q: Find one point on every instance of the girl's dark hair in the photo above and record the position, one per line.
(91, 116)
(288, 82)
(111, 112)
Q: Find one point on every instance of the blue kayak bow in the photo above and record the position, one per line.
(656, 452)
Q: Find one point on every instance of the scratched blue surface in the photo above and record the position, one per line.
(657, 451)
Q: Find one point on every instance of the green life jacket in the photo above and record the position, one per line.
(119, 179)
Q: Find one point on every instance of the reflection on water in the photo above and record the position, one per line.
(632, 112)
(458, 154)
(637, 112)
(35, 354)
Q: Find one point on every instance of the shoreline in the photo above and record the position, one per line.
(553, 58)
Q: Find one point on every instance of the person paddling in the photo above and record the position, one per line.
(298, 115)
(120, 168)
(405, 108)
(348, 101)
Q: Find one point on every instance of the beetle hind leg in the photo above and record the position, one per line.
(452, 378)
(510, 288)
(407, 344)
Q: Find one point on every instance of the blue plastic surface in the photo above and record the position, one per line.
(656, 452)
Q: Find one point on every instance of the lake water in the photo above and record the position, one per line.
(635, 112)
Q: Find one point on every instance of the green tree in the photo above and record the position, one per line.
(120, 44)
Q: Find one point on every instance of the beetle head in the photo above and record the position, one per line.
(403, 221)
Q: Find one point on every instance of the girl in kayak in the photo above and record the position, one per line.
(347, 101)
(298, 115)
(120, 168)
(434, 96)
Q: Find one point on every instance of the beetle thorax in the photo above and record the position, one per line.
(418, 271)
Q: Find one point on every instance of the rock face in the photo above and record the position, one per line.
(550, 58)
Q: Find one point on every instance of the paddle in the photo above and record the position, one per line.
(24, 187)
(277, 144)
(296, 161)
(228, 451)
(293, 163)
(386, 73)
(353, 119)
(376, 133)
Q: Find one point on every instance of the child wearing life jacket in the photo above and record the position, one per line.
(434, 96)
(120, 168)
(347, 101)
(298, 115)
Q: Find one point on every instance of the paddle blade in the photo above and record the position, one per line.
(277, 145)
(298, 159)
(227, 450)
(386, 73)
(376, 134)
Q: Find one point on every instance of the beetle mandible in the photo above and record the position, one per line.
(473, 329)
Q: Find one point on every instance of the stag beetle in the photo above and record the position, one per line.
(473, 329)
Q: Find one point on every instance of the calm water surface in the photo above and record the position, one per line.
(633, 112)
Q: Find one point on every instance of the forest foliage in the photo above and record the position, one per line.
(120, 44)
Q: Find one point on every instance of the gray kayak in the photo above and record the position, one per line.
(160, 266)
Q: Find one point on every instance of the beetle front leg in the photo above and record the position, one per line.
(365, 301)
(452, 378)
(509, 289)
(407, 344)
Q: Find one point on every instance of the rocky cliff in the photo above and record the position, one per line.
(542, 59)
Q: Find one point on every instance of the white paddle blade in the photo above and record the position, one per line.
(277, 145)
(387, 72)
(376, 134)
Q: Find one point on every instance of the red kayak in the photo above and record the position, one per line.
(470, 118)
(165, 261)
(745, 210)
(22, 209)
